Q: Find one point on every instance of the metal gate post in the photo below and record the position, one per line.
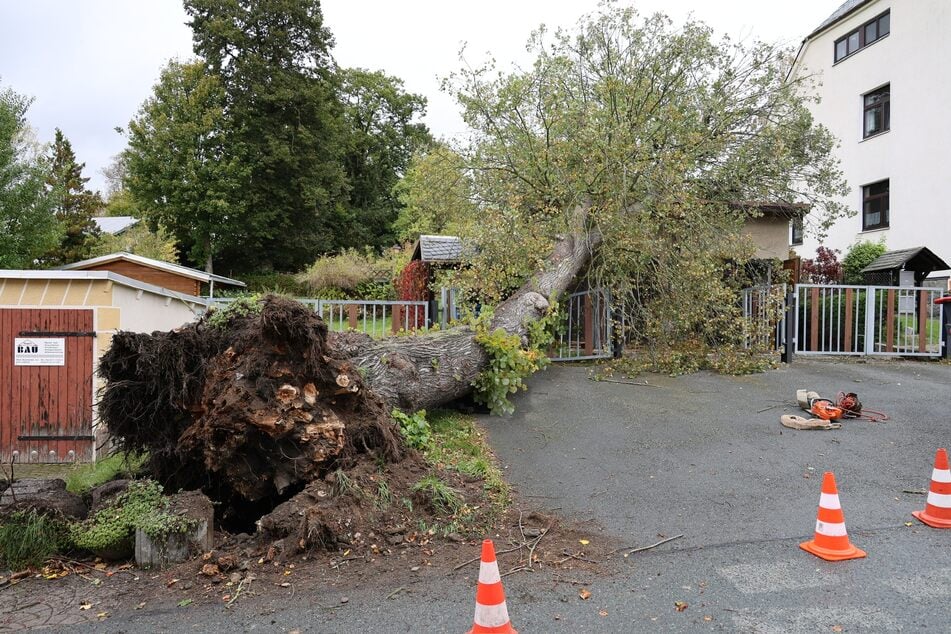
(790, 346)
(870, 320)
(945, 303)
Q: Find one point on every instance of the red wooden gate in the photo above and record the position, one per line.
(46, 411)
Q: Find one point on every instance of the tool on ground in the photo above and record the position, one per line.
(849, 403)
(798, 422)
(817, 406)
(491, 614)
(831, 541)
(937, 511)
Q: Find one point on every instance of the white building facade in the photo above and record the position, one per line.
(884, 74)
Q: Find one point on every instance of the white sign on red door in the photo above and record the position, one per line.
(39, 351)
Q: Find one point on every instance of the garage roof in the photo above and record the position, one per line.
(176, 269)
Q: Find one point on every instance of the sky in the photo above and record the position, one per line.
(89, 64)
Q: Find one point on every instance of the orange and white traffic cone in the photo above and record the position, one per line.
(491, 615)
(937, 512)
(831, 541)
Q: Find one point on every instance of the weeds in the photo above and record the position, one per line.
(414, 427)
(28, 538)
(345, 485)
(85, 477)
(443, 498)
(384, 497)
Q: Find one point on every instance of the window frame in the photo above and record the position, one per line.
(867, 199)
(861, 31)
(797, 234)
(882, 104)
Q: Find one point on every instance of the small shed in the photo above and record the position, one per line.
(54, 328)
(905, 267)
(174, 277)
(438, 250)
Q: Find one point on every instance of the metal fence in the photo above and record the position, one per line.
(765, 316)
(867, 320)
(587, 331)
(377, 318)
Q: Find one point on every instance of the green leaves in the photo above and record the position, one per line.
(660, 132)
(28, 227)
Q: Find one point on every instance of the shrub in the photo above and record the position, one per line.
(272, 282)
(859, 256)
(28, 538)
(354, 273)
(824, 269)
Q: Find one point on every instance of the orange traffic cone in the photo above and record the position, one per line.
(491, 615)
(937, 511)
(831, 541)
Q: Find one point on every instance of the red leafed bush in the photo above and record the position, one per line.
(413, 285)
(824, 269)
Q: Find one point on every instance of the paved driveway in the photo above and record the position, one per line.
(705, 456)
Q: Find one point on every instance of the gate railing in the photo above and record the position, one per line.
(763, 310)
(867, 320)
(377, 318)
(587, 329)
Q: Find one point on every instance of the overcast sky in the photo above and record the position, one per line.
(89, 64)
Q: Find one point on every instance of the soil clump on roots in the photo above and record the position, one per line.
(253, 406)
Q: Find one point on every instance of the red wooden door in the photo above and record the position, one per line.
(46, 411)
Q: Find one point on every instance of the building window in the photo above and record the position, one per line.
(877, 112)
(796, 231)
(875, 206)
(871, 31)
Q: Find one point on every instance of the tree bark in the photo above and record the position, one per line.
(420, 372)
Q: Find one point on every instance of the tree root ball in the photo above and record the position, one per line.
(250, 411)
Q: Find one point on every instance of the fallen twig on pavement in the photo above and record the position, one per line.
(643, 548)
(396, 592)
(637, 383)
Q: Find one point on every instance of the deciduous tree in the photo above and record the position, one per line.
(28, 227)
(658, 130)
(181, 168)
(382, 133)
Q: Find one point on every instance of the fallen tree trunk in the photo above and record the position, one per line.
(415, 373)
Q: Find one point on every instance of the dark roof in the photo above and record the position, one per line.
(781, 209)
(846, 9)
(438, 249)
(916, 259)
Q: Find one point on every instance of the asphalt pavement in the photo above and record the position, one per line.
(703, 456)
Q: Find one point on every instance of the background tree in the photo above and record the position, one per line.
(285, 123)
(657, 131)
(435, 195)
(858, 257)
(140, 240)
(74, 204)
(180, 166)
(381, 136)
(28, 227)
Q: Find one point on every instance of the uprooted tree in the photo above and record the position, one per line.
(259, 407)
(621, 155)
